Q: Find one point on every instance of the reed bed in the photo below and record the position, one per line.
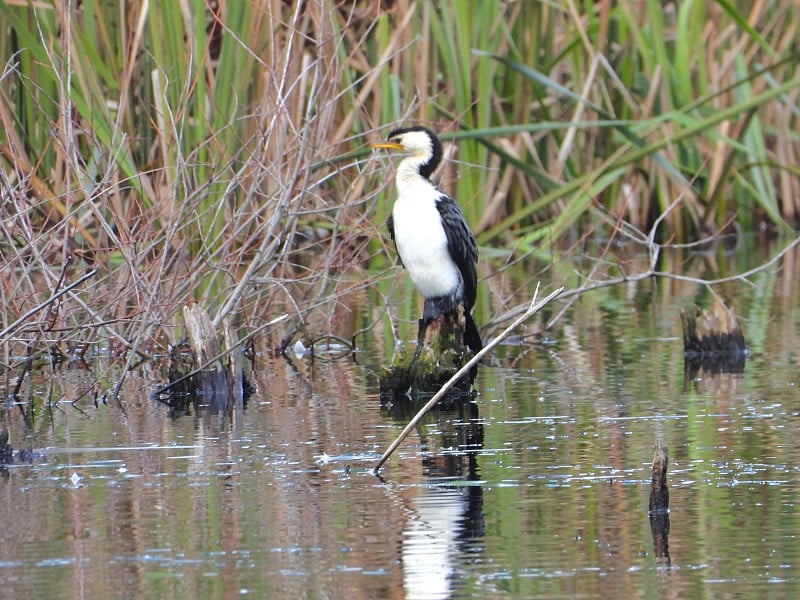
(217, 151)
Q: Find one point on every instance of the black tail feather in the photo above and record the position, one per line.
(473, 340)
(471, 336)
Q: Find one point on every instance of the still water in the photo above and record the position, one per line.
(537, 489)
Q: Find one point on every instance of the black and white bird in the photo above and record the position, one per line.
(433, 240)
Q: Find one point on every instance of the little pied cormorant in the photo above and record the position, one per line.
(433, 240)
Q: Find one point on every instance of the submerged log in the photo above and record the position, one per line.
(713, 340)
(440, 353)
(659, 505)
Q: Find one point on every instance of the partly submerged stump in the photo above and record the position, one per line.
(214, 378)
(439, 354)
(659, 505)
(659, 491)
(713, 340)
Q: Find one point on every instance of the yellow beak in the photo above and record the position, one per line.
(390, 145)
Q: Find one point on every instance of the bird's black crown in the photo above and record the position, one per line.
(428, 167)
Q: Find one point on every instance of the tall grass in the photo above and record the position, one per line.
(178, 150)
(217, 151)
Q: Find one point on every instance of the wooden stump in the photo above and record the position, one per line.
(440, 353)
(213, 380)
(659, 505)
(712, 340)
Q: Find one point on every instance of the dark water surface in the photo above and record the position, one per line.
(538, 489)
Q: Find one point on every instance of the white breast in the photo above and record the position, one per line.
(421, 240)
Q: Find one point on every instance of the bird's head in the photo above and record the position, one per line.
(421, 145)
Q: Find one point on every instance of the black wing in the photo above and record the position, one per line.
(390, 225)
(462, 245)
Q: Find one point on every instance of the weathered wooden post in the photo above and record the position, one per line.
(659, 505)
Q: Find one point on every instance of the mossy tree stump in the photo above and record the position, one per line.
(439, 354)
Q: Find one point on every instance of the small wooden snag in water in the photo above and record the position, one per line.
(217, 380)
(713, 339)
(659, 504)
(659, 492)
(711, 330)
